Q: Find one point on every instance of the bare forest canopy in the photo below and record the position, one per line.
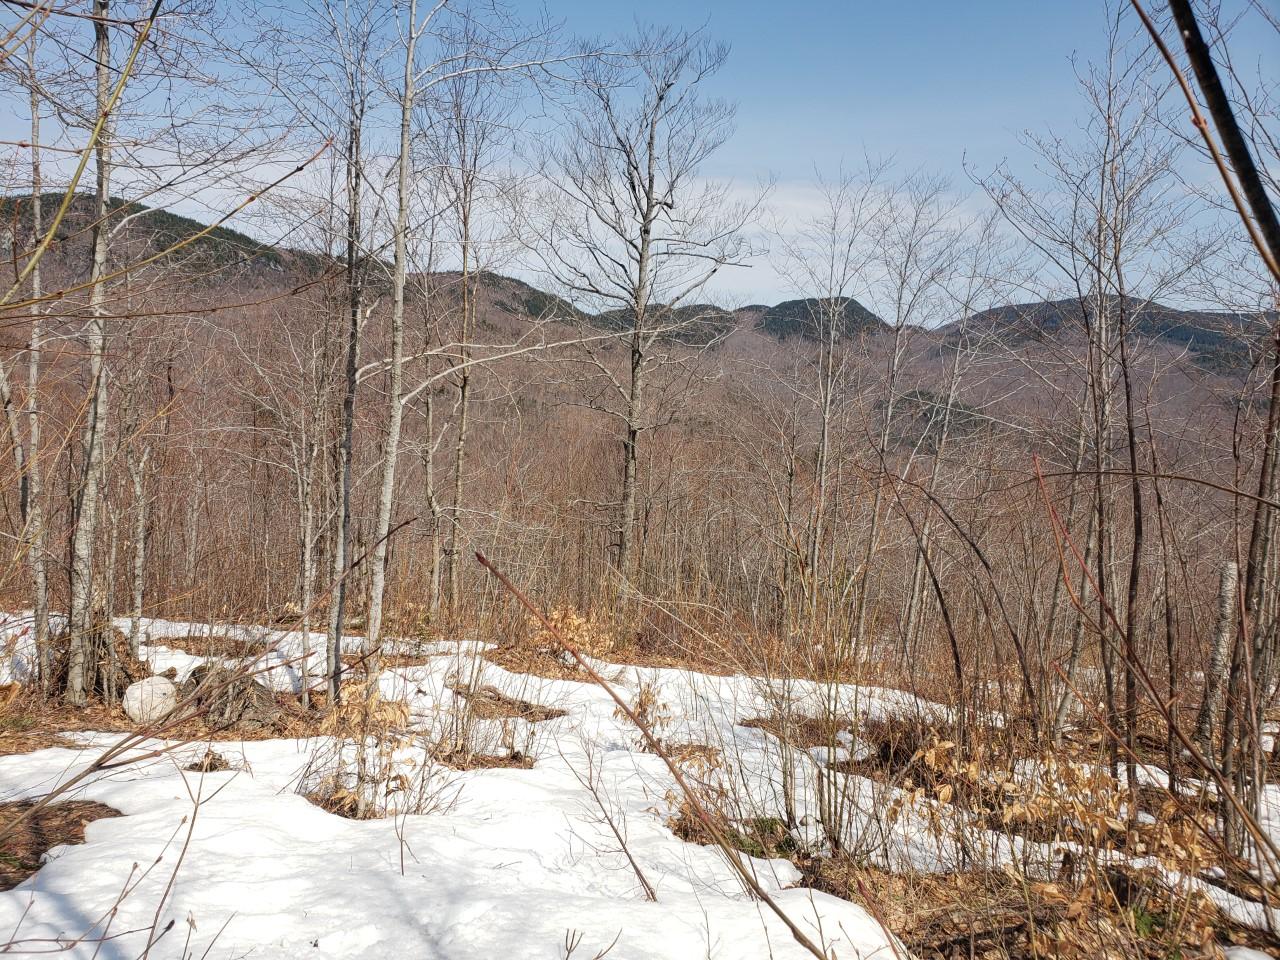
(1012, 444)
(235, 413)
(220, 258)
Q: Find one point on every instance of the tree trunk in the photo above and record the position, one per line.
(137, 473)
(453, 550)
(434, 509)
(395, 412)
(36, 537)
(80, 614)
(1224, 629)
(822, 454)
(355, 293)
(873, 534)
(630, 450)
(308, 563)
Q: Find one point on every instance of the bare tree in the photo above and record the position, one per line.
(1109, 228)
(80, 613)
(28, 463)
(633, 230)
(828, 260)
(468, 54)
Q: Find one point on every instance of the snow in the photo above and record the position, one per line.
(511, 863)
(1244, 953)
(507, 863)
(506, 873)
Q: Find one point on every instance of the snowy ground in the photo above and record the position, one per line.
(515, 863)
(508, 863)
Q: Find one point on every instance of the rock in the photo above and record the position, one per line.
(228, 698)
(210, 763)
(148, 700)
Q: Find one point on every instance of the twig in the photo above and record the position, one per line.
(656, 748)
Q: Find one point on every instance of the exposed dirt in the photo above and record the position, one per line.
(32, 722)
(12, 743)
(27, 840)
(232, 648)
(800, 731)
(489, 703)
(29, 722)
(210, 763)
(537, 662)
(466, 760)
(291, 723)
(339, 804)
(358, 662)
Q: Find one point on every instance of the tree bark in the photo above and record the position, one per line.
(630, 458)
(1224, 628)
(355, 304)
(36, 537)
(137, 474)
(80, 614)
(395, 411)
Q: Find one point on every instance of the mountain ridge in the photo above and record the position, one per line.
(1223, 341)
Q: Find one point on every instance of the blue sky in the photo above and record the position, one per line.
(935, 84)
(924, 80)
(939, 85)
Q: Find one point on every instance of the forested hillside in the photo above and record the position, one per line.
(415, 546)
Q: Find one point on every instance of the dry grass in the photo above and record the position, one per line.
(30, 722)
(992, 915)
(231, 648)
(1088, 911)
(764, 837)
(490, 703)
(469, 760)
(14, 743)
(358, 662)
(800, 731)
(516, 658)
(739, 653)
(671, 657)
(340, 805)
(696, 755)
(24, 847)
(539, 651)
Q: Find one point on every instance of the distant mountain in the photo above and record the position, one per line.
(920, 414)
(698, 323)
(151, 231)
(525, 301)
(803, 318)
(692, 323)
(1222, 341)
(223, 260)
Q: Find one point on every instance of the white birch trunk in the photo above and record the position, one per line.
(80, 614)
(395, 412)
